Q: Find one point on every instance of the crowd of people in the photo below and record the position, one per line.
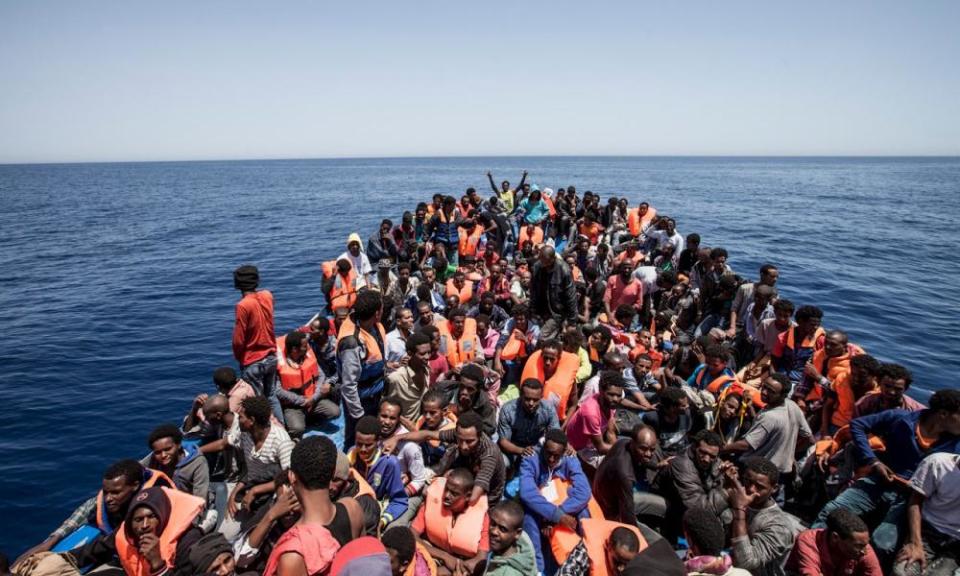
(535, 382)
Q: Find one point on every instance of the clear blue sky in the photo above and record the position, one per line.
(89, 81)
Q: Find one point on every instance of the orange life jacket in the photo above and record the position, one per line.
(535, 238)
(459, 536)
(561, 383)
(184, 508)
(300, 379)
(152, 478)
(344, 291)
(635, 223)
(550, 206)
(465, 294)
(463, 349)
(717, 384)
(364, 487)
(836, 370)
(328, 268)
(469, 241)
(633, 260)
(516, 346)
(450, 424)
(592, 232)
(428, 561)
(576, 274)
(563, 540)
(596, 532)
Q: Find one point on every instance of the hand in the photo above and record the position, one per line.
(150, 549)
(232, 502)
(285, 504)
(498, 367)
(569, 522)
(731, 332)
(884, 472)
(823, 460)
(913, 552)
(811, 371)
(525, 172)
(248, 497)
(308, 405)
(475, 496)
(199, 401)
(405, 361)
(389, 445)
(665, 462)
(528, 451)
(489, 175)
(44, 546)
(731, 477)
(738, 498)
(324, 389)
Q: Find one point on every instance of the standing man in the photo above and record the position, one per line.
(254, 344)
(361, 354)
(553, 297)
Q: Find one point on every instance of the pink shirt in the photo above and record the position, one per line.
(619, 293)
(588, 421)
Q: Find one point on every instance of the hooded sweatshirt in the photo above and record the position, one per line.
(361, 264)
(192, 474)
(521, 563)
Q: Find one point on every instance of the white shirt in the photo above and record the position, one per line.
(396, 346)
(647, 275)
(938, 479)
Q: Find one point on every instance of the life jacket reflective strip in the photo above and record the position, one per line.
(536, 238)
(635, 223)
(469, 241)
(372, 372)
(596, 532)
(151, 478)
(460, 538)
(300, 379)
(184, 508)
(516, 346)
(364, 488)
(465, 294)
(344, 291)
(563, 540)
(463, 350)
(561, 383)
(717, 385)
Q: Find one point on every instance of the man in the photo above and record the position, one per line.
(606, 550)
(744, 297)
(846, 393)
(909, 438)
(227, 383)
(310, 545)
(623, 289)
(673, 421)
(523, 421)
(435, 417)
(469, 448)
(472, 397)
(381, 470)
(553, 297)
(396, 342)
(381, 245)
(358, 260)
(409, 455)
(705, 538)
(454, 530)
(305, 398)
(694, 479)
(777, 429)
(443, 228)
(843, 547)
(546, 506)
(688, 256)
(641, 385)
(406, 285)
(186, 466)
(459, 340)
(713, 375)
(932, 524)
(407, 384)
(360, 354)
(407, 558)
(324, 348)
(762, 534)
(518, 340)
(768, 333)
(511, 551)
(758, 310)
(894, 380)
(796, 345)
(254, 344)
(624, 481)
(488, 306)
(592, 429)
(497, 285)
(520, 287)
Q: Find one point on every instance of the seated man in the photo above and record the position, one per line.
(185, 466)
(606, 548)
(705, 538)
(624, 482)
(592, 429)
(893, 381)
(304, 396)
(436, 418)
(554, 492)
(408, 453)
(673, 421)
(511, 551)
(407, 556)
(713, 375)
(523, 421)
(762, 534)
(407, 384)
(518, 340)
(452, 529)
(843, 547)
(932, 523)
(472, 397)
(694, 480)
(382, 471)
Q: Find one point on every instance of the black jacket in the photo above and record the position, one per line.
(561, 294)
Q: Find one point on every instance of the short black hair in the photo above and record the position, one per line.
(807, 312)
(293, 340)
(434, 395)
(868, 364)
(708, 436)
(224, 377)
(763, 467)
(704, 530)
(715, 351)
(463, 474)
(555, 435)
(258, 408)
(610, 378)
(552, 344)
(471, 420)
(130, 470)
(766, 268)
(368, 425)
(403, 266)
(694, 237)
(313, 461)
(416, 340)
(458, 311)
(392, 401)
(623, 537)
(671, 396)
(521, 309)
(845, 524)
(718, 252)
(946, 400)
(783, 380)
(894, 372)
(511, 508)
(400, 539)
(367, 305)
(532, 383)
(165, 431)
(603, 332)
(783, 305)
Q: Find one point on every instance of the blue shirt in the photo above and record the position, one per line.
(523, 429)
(898, 430)
(534, 475)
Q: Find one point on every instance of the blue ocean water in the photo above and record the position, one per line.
(117, 296)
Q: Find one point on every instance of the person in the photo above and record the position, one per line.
(453, 529)
(358, 260)
(932, 527)
(305, 398)
(554, 492)
(762, 535)
(893, 381)
(407, 556)
(120, 483)
(641, 384)
(505, 194)
(694, 479)
(518, 340)
(412, 469)
(796, 345)
(778, 428)
(624, 482)
(909, 436)
(254, 344)
(623, 289)
(606, 548)
(733, 415)
(435, 417)
(348, 483)
(360, 355)
(511, 550)
(553, 298)
(461, 287)
(381, 470)
(592, 429)
(760, 309)
(396, 342)
(498, 286)
(406, 285)
(673, 421)
(156, 534)
(227, 382)
(407, 384)
(459, 340)
(769, 274)
(767, 337)
(212, 554)
(843, 547)
(443, 228)
(382, 245)
(705, 538)
(310, 545)
(688, 256)
(713, 375)
(523, 421)
(261, 532)
(858, 379)
(185, 465)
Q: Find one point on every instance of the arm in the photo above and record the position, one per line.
(492, 185)
(569, 300)
(530, 493)
(691, 490)
(291, 564)
(289, 398)
(912, 550)
(193, 418)
(578, 496)
(395, 492)
(861, 428)
(826, 414)
(239, 330)
(350, 367)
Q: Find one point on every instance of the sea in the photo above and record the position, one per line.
(117, 300)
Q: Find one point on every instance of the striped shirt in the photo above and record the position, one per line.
(486, 464)
(273, 455)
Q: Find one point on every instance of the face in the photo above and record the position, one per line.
(854, 548)
(950, 422)
(546, 260)
(435, 342)
(116, 493)
(165, 452)
(246, 422)
(403, 274)
(716, 365)
(455, 495)
(530, 399)
(430, 275)
(729, 408)
(625, 272)
(421, 357)
(354, 249)
(298, 353)
(525, 279)
(405, 319)
(610, 398)
(468, 440)
(642, 367)
(223, 565)
(770, 278)
(617, 557)
(719, 262)
(452, 301)
(389, 417)
(671, 413)
(771, 391)
(643, 448)
(317, 334)
(467, 392)
(759, 486)
(426, 315)
(384, 229)
(704, 455)
(396, 568)
(495, 271)
(504, 531)
(144, 521)
(482, 327)
(432, 414)
(550, 356)
(459, 322)
(553, 453)
(808, 326)
(366, 445)
(782, 318)
(892, 390)
(834, 346)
